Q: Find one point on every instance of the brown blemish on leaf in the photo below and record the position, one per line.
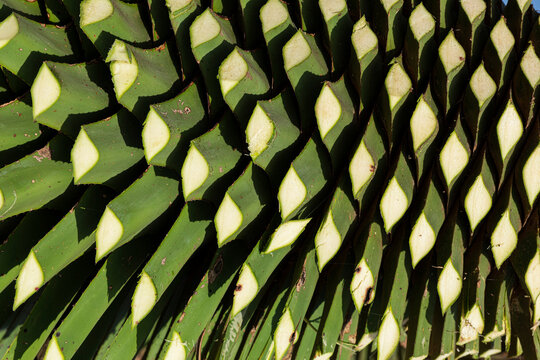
(216, 270)
(302, 280)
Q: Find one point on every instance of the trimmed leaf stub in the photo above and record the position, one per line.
(286, 234)
(292, 193)
(423, 123)
(84, 155)
(259, 132)
(233, 69)
(363, 38)
(93, 11)
(482, 85)
(362, 168)
(531, 179)
(327, 110)
(388, 337)
(397, 84)
(331, 8)
(453, 158)
(1, 199)
(394, 203)
(509, 130)
(177, 349)
(53, 350)
(362, 285)
(451, 53)
(108, 233)
(421, 22)
(194, 171)
(503, 240)
(9, 28)
(421, 240)
(245, 291)
(502, 38)
(124, 68)
(45, 90)
(155, 134)
(477, 202)
(29, 280)
(285, 335)
(273, 14)
(448, 286)
(295, 51)
(228, 219)
(532, 276)
(327, 241)
(203, 29)
(472, 324)
(143, 300)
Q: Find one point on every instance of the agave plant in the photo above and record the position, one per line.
(249, 179)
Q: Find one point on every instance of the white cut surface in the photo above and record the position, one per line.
(84, 155)
(482, 85)
(259, 132)
(363, 38)
(273, 14)
(246, 290)
(451, 53)
(509, 130)
(473, 8)
(421, 22)
(53, 350)
(365, 340)
(453, 158)
(228, 219)
(45, 90)
(361, 168)
(423, 123)
(471, 325)
(29, 280)
(124, 68)
(327, 110)
(331, 8)
(292, 193)
(93, 11)
(204, 28)
(324, 356)
(397, 84)
(9, 28)
(394, 203)
(155, 134)
(388, 4)
(502, 38)
(286, 234)
(327, 241)
(144, 299)
(296, 50)
(503, 240)
(176, 350)
(175, 5)
(477, 202)
(448, 286)
(194, 171)
(388, 338)
(362, 284)
(530, 65)
(109, 231)
(284, 332)
(233, 69)
(531, 177)
(1, 199)
(421, 240)
(522, 4)
(532, 276)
